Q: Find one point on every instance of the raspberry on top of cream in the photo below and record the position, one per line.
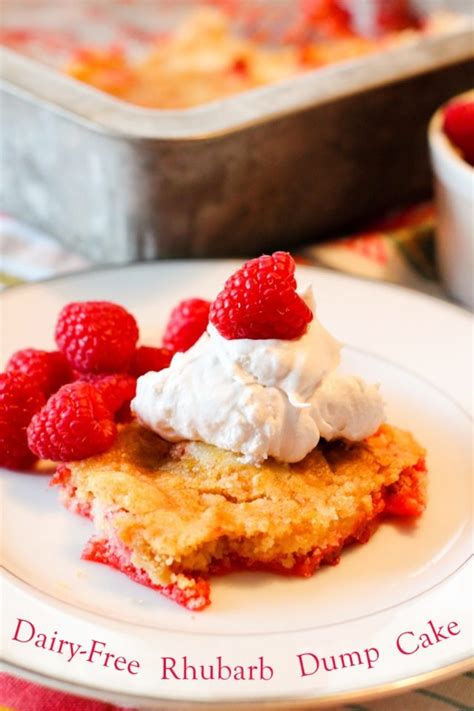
(259, 397)
(294, 366)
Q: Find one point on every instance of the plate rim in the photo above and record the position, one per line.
(291, 703)
(442, 300)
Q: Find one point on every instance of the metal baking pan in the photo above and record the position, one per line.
(267, 168)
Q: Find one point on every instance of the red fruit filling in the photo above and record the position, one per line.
(196, 596)
(404, 498)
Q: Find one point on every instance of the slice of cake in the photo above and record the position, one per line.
(170, 515)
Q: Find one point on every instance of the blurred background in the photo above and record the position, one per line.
(144, 129)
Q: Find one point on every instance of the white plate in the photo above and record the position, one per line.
(419, 349)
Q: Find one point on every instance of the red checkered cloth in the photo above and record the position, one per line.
(21, 695)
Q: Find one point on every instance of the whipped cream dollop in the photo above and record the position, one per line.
(260, 398)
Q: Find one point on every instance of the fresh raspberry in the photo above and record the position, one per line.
(147, 358)
(97, 336)
(186, 324)
(20, 399)
(75, 423)
(458, 124)
(115, 390)
(124, 414)
(49, 370)
(395, 16)
(260, 301)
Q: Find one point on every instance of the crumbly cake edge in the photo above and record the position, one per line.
(404, 497)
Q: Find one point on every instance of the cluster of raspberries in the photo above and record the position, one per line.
(64, 405)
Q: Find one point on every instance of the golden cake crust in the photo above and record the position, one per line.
(183, 507)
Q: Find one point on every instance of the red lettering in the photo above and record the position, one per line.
(239, 673)
(351, 661)
(327, 666)
(107, 658)
(120, 660)
(94, 650)
(425, 640)
(263, 669)
(437, 632)
(313, 659)
(15, 637)
(371, 659)
(251, 668)
(135, 665)
(453, 624)
(188, 667)
(169, 664)
(399, 639)
(210, 673)
(221, 668)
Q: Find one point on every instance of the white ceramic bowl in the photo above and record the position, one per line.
(454, 190)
